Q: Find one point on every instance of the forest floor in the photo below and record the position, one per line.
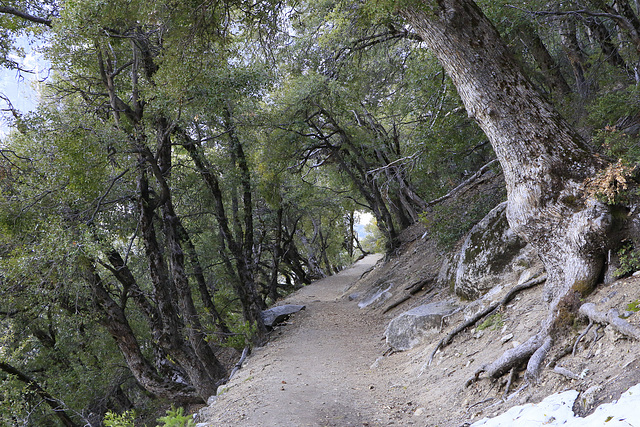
(329, 365)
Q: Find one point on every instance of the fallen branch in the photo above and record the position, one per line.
(611, 317)
(395, 304)
(473, 177)
(473, 320)
(413, 289)
(419, 285)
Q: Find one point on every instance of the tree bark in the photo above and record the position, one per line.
(544, 160)
(172, 294)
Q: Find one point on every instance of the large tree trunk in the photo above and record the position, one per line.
(544, 160)
(173, 299)
(115, 321)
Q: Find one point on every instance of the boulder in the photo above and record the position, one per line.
(491, 254)
(279, 314)
(409, 329)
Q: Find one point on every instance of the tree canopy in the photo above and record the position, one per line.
(190, 163)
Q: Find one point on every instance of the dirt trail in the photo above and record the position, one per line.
(316, 370)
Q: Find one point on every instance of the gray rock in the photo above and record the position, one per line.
(279, 314)
(491, 254)
(409, 329)
(376, 296)
(354, 296)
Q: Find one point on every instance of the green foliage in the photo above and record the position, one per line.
(126, 419)
(322, 109)
(176, 418)
(629, 259)
(14, 397)
(605, 113)
(242, 333)
(449, 221)
(375, 241)
(634, 306)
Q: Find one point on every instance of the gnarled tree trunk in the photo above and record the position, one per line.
(544, 160)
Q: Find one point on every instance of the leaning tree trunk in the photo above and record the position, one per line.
(548, 66)
(114, 319)
(544, 160)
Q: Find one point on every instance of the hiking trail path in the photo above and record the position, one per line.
(317, 370)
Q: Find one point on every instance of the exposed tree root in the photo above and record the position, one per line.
(559, 355)
(537, 347)
(535, 361)
(512, 375)
(482, 402)
(446, 316)
(518, 355)
(492, 307)
(585, 332)
(566, 373)
(612, 318)
(238, 365)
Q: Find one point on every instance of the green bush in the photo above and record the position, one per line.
(176, 418)
(126, 419)
(242, 334)
(629, 260)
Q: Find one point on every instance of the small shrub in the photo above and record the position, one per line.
(126, 419)
(611, 186)
(176, 418)
(629, 259)
(634, 306)
(242, 334)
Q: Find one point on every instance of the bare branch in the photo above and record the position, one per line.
(24, 15)
(473, 177)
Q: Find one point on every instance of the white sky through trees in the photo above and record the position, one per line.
(20, 87)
